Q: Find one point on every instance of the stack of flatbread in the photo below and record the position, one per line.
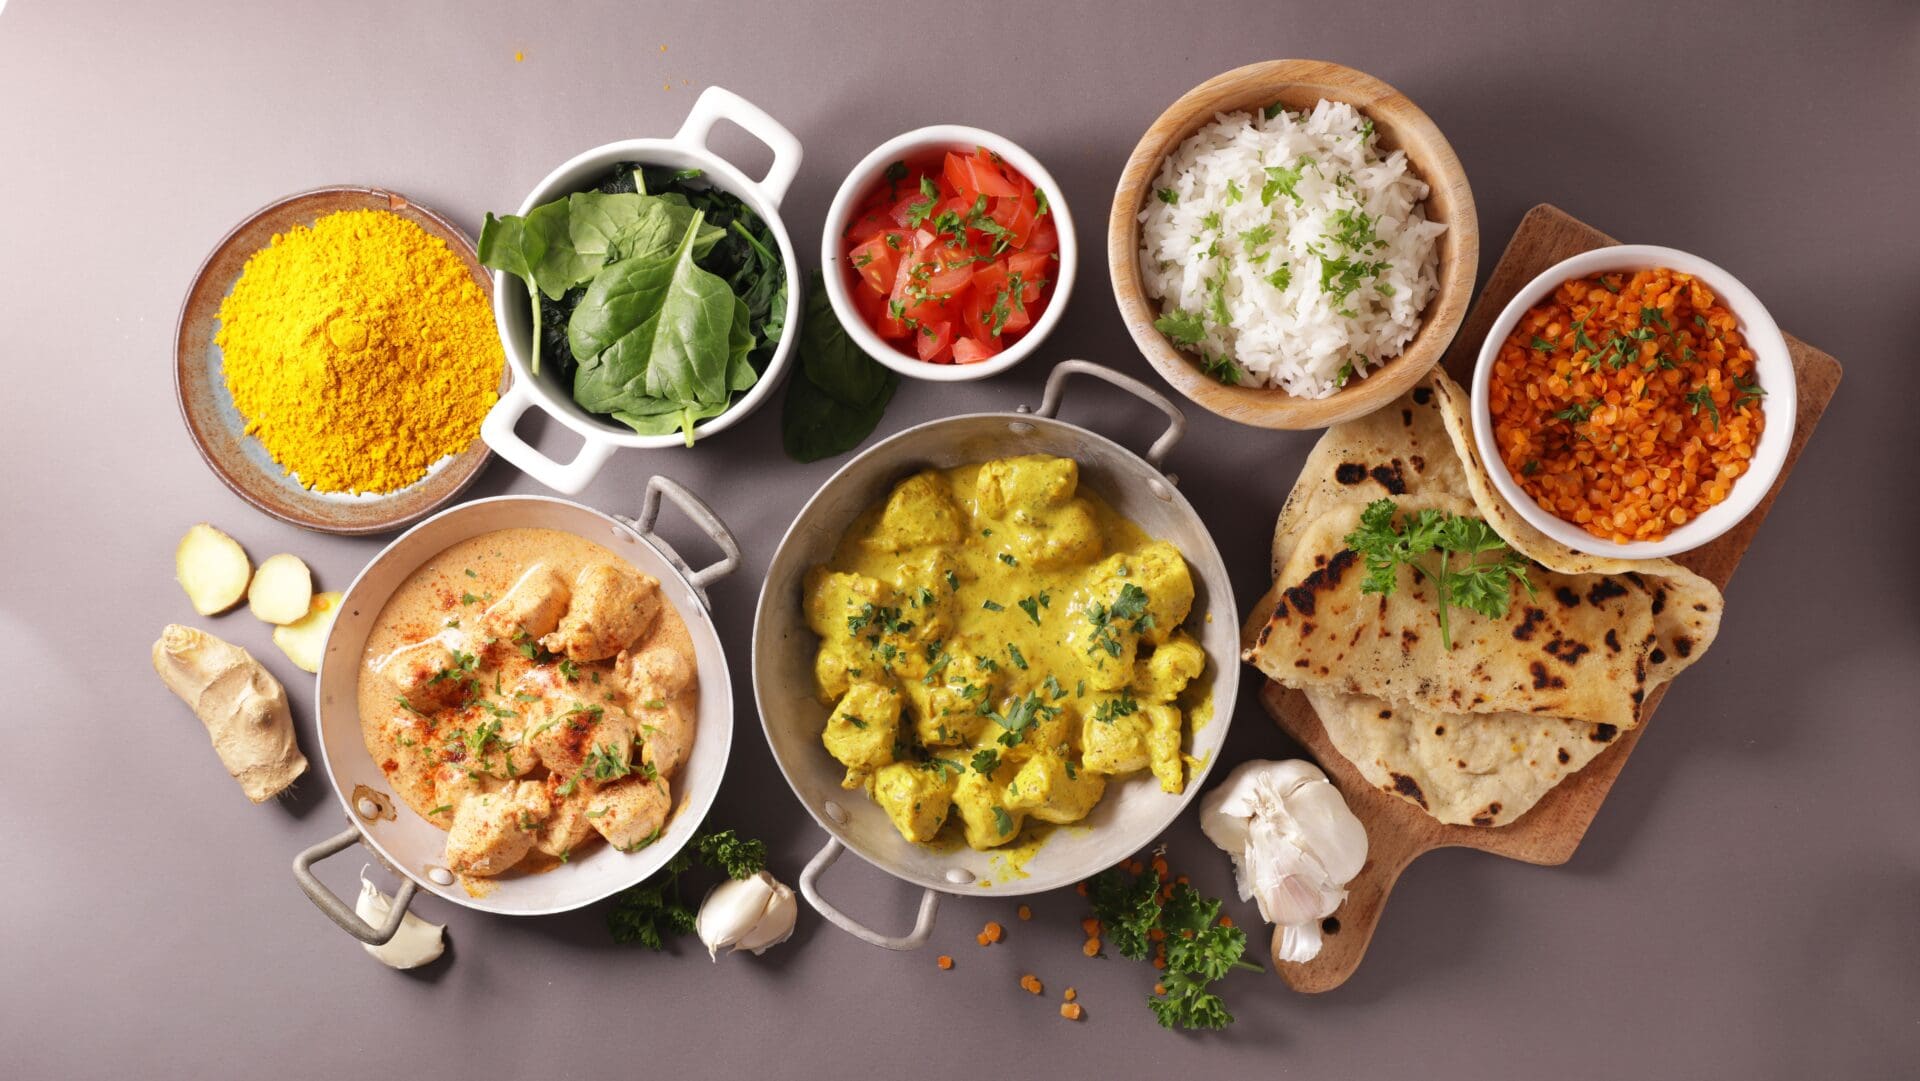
(1475, 734)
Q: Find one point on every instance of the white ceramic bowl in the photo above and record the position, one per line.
(512, 310)
(1772, 365)
(871, 171)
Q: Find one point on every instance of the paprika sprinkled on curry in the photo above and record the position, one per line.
(1627, 403)
(360, 351)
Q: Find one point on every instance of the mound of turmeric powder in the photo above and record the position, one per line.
(360, 351)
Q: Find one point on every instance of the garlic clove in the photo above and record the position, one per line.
(1294, 846)
(1296, 943)
(732, 910)
(1339, 841)
(776, 924)
(416, 943)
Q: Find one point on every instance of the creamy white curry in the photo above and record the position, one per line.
(532, 694)
(998, 645)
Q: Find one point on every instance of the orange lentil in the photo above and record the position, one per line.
(1091, 947)
(1071, 1011)
(1156, 934)
(1024, 912)
(1226, 921)
(1081, 889)
(991, 932)
(1091, 926)
(1070, 994)
(1160, 866)
(1133, 867)
(1627, 403)
(1031, 983)
(1159, 988)
(944, 961)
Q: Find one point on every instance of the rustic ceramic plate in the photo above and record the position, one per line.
(218, 430)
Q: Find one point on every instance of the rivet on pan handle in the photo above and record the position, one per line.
(339, 911)
(1176, 420)
(810, 889)
(702, 515)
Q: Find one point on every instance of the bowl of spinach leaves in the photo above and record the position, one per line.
(644, 293)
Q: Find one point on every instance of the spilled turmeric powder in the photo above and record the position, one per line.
(359, 351)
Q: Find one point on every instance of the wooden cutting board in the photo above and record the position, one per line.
(1397, 831)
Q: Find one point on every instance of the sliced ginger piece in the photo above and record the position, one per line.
(212, 568)
(282, 590)
(305, 639)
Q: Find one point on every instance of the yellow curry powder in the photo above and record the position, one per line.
(360, 351)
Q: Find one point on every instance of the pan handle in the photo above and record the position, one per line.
(810, 889)
(703, 516)
(339, 911)
(1176, 420)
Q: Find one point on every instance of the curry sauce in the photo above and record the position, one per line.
(998, 645)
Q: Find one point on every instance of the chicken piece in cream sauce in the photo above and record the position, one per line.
(532, 694)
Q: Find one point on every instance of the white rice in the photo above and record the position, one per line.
(1210, 246)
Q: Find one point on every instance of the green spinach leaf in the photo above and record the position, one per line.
(839, 394)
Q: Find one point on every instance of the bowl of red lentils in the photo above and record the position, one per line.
(1634, 402)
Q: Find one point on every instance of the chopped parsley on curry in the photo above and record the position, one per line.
(998, 645)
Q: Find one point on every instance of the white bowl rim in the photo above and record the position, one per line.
(1773, 363)
(905, 145)
(733, 182)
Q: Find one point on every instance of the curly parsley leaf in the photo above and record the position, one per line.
(1477, 584)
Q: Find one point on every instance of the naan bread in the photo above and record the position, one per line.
(1466, 767)
(1577, 649)
(1481, 770)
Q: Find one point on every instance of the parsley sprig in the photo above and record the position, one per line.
(1199, 948)
(1476, 584)
(652, 912)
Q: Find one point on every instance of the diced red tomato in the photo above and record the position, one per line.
(973, 350)
(873, 309)
(923, 268)
(977, 174)
(876, 262)
(1036, 270)
(934, 341)
(1015, 215)
(1045, 239)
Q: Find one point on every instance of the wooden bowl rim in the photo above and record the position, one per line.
(1273, 407)
(383, 513)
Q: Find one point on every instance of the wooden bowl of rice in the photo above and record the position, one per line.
(1398, 124)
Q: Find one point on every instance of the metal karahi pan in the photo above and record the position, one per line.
(407, 843)
(1133, 812)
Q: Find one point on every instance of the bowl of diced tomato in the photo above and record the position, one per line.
(948, 253)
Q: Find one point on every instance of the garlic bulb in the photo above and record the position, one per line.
(416, 943)
(1294, 844)
(747, 914)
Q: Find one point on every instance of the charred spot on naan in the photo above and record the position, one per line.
(1324, 579)
(1530, 621)
(1406, 786)
(1603, 733)
(1489, 816)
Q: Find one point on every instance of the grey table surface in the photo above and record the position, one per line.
(1744, 906)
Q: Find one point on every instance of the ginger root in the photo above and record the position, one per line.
(242, 705)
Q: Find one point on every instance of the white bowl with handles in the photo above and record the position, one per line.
(512, 307)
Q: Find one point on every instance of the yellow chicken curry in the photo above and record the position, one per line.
(997, 645)
(530, 693)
